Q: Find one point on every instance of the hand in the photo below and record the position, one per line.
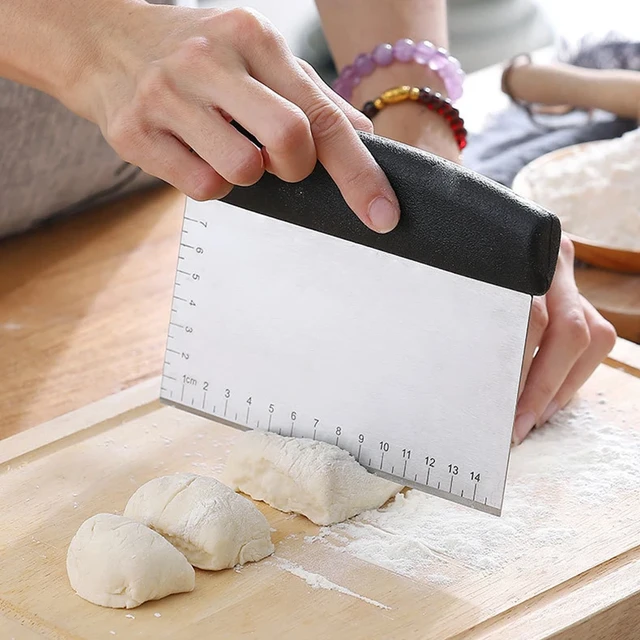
(174, 78)
(567, 340)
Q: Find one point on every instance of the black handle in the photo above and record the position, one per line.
(451, 217)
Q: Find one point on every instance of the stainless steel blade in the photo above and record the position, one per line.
(412, 369)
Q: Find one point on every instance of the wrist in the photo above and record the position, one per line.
(413, 124)
(409, 122)
(384, 78)
(99, 48)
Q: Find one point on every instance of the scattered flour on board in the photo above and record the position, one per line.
(317, 581)
(594, 192)
(416, 535)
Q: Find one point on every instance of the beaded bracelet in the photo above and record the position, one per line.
(405, 50)
(430, 99)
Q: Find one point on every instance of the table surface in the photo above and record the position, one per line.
(85, 301)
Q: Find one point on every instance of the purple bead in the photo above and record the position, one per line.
(454, 63)
(350, 76)
(342, 88)
(364, 64)
(423, 52)
(383, 55)
(439, 61)
(403, 50)
(454, 88)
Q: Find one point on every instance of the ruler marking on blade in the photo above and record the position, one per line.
(291, 431)
(209, 250)
(180, 257)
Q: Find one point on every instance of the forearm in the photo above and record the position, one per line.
(357, 26)
(52, 44)
(616, 90)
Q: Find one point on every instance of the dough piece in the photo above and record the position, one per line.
(212, 525)
(116, 562)
(318, 480)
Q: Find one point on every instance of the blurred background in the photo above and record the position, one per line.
(482, 32)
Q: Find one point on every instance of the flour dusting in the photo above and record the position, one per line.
(576, 456)
(317, 581)
(595, 192)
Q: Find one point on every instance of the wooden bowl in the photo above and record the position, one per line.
(588, 250)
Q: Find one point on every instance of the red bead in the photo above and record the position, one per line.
(369, 109)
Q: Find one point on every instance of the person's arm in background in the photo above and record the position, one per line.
(163, 82)
(613, 90)
(356, 26)
(567, 337)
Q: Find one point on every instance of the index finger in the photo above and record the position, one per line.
(361, 181)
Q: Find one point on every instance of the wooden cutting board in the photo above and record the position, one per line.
(56, 475)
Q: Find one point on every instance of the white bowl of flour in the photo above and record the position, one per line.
(594, 188)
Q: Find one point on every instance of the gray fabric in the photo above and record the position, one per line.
(53, 162)
(512, 140)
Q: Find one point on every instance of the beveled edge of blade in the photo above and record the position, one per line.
(439, 493)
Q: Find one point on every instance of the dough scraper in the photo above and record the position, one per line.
(405, 349)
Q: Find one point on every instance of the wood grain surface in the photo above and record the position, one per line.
(84, 306)
(54, 476)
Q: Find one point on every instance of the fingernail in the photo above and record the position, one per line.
(383, 214)
(523, 424)
(551, 410)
